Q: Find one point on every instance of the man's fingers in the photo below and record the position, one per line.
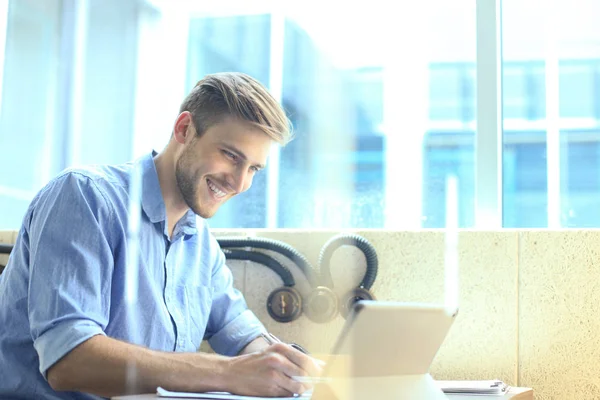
(292, 386)
(308, 365)
(281, 385)
(282, 363)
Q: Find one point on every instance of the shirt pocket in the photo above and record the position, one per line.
(198, 304)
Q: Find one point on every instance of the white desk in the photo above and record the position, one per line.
(514, 393)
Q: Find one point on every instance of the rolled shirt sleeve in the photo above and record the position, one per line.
(71, 266)
(231, 325)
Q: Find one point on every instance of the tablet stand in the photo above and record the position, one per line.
(406, 387)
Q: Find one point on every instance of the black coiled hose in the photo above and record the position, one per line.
(275, 245)
(264, 259)
(353, 240)
(5, 248)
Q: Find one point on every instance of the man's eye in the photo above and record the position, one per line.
(255, 169)
(230, 155)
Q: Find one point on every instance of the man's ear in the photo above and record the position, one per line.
(183, 127)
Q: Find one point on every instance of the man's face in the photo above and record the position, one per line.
(220, 164)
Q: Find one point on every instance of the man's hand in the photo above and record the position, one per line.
(270, 372)
(108, 367)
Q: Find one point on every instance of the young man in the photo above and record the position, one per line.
(91, 307)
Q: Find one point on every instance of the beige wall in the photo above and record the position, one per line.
(529, 300)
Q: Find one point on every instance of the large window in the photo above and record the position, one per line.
(551, 65)
(384, 99)
(361, 98)
(26, 115)
(67, 89)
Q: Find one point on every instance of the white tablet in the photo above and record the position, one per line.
(389, 339)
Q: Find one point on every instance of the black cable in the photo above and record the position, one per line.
(353, 240)
(275, 245)
(264, 259)
(5, 248)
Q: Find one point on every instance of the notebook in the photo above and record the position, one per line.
(221, 395)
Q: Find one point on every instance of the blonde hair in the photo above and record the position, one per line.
(234, 94)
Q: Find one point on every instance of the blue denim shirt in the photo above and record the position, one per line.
(71, 270)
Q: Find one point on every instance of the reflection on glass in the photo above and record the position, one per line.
(67, 93)
(381, 120)
(382, 100)
(27, 107)
(551, 179)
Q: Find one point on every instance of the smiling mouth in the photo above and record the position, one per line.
(217, 192)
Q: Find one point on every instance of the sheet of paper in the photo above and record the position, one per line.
(473, 387)
(221, 395)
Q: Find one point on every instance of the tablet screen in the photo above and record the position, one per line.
(389, 338)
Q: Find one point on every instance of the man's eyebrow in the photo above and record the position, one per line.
(241, 155)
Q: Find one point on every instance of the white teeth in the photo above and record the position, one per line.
(215, 189)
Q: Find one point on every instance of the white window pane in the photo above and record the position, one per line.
(27, 113)
(576, 88)
(551, 143)
(67, 92)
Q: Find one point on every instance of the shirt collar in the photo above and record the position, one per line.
(153, 203)
(188, 223)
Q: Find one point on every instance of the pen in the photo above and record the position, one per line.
(272, 339)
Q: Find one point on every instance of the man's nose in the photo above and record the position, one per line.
(238, 180)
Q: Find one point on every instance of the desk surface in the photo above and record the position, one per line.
(514, 393)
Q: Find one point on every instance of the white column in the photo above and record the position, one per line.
(161, 74)
(488, 148)
(80, 21)
(451, 270)
(405, 114)
(3, 28)
(276, 89)
(552, 115)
